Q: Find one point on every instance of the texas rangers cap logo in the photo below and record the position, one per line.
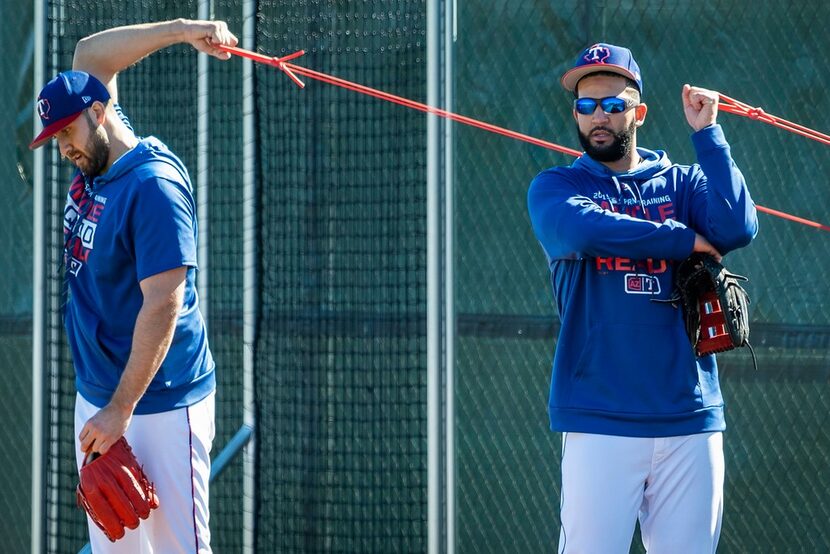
(43, 108)
(597, 54)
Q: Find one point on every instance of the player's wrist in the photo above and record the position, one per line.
(700, 127)
(123, 406)
(179, 28)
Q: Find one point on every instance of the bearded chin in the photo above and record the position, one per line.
(99, 151)
(616, 150)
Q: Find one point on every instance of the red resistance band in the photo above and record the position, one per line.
(727, 104)
(730, 105)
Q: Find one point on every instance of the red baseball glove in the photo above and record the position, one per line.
(114, 490)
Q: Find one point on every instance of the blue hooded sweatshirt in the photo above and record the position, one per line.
(623, 364)
(136, 220)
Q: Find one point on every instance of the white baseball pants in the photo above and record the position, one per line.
(174, 448)
(674, 485)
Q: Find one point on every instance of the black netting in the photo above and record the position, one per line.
(224, 233)
(341, 387)
(159, 95)
(341, 393)
(341, 356)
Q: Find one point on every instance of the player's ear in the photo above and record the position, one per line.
(640, 112)
(99, 110)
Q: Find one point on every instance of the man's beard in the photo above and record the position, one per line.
(613, 151)
(98, 150)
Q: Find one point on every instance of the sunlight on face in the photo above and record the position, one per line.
(84, 144)
(606, 137)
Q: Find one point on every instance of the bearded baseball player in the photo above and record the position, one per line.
(641, 416)
(143, 367)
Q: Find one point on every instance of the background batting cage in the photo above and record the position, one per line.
(378, 307)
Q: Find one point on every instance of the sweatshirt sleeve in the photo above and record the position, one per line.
(721, 208)
(568, 224)
(162, 227)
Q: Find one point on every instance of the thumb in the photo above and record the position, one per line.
(211, 49)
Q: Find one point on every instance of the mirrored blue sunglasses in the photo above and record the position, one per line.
(609, 105)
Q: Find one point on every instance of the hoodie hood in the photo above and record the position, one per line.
(653, 162)
(149, 150)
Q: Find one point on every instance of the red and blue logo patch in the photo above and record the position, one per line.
(641, 283)
(43, 108)
(597, 54)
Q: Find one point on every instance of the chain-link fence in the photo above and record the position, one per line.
(341, 356)
(509, 59)
(16, 282)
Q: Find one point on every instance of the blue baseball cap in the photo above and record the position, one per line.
(603, 57)
(63, 99)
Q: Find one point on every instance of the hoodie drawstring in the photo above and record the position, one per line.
(633, 191)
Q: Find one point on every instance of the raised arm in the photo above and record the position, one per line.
(106, 53)
(721, 207)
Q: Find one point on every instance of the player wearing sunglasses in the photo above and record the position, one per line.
(641, 416)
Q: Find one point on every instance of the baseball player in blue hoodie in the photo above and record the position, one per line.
(641, 416)
(142, 363)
